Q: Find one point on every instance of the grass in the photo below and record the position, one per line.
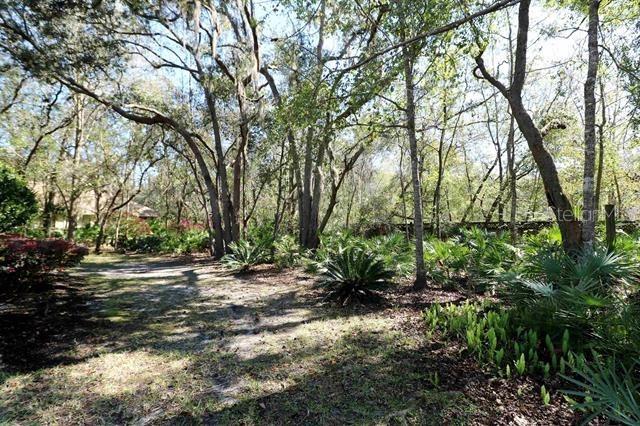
(178, 343)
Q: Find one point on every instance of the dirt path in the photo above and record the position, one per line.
(162, 341)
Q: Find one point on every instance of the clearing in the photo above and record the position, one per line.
(129, 339)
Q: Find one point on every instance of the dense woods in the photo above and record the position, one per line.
(487, 148)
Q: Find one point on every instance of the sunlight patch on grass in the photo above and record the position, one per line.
(111, 386)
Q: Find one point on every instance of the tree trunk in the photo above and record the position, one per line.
(48, 210)
(437, 193)
(222, 196)
(212, 190)
(588, 187)
(511, 156)
(600, 150)
(100, 237)
(418, 223)
(305, 211)
(72, 220)
(570, 227)
(240, 160)
(403, 193)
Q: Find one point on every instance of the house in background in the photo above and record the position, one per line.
(86, 213)
(86, 207)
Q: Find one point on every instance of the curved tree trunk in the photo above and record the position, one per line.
(570, 226)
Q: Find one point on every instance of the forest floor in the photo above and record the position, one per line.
(138, 340)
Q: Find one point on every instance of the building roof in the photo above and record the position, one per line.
(141, 210)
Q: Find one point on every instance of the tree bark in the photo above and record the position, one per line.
(511, 156)
(435, 214)
(603, 122)
(72, 219)
(588, 187)
(418, 222)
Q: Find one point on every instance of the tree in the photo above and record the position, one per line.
(570, 226)
(124, 171)
(408, 59)
(588, 185)
(17, 202)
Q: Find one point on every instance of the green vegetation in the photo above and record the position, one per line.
(17, 202)
(295, 198)
(609, 389)
(352, 274)
(244, 255)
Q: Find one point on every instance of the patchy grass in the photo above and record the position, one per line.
(165, 341)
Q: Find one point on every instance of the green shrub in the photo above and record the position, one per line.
(607, 387)
(87, 234)
(244, 255)
(490, 255)
(287, 252)
(542, 240)
(445, 260)
(261, 236)
(395, 251)
(353, 275)
(142, 244)
(140, 237)
(330, 245)
(17, 202)
(474, 258)
(589, 295)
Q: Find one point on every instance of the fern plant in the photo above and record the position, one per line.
(353, 275)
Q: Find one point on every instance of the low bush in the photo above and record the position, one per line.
(87, 234)
(591, 295)
(24, 259)
(141, 237)
(490, 255)
(287, 252)
(262, 236)
(330, 245)
(445, 260)
(244, 255)
(396, 252)
(608, 388)
(17, 202)
(353, 275)
(472, 259)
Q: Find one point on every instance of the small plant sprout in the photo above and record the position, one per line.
(549, 343)
(521, 365)
(499, 355)
(493, 340)
(565, 341)
(547, 370)
(434, 378)
(545, 395)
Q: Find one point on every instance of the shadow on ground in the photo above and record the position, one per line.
(176, 341)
